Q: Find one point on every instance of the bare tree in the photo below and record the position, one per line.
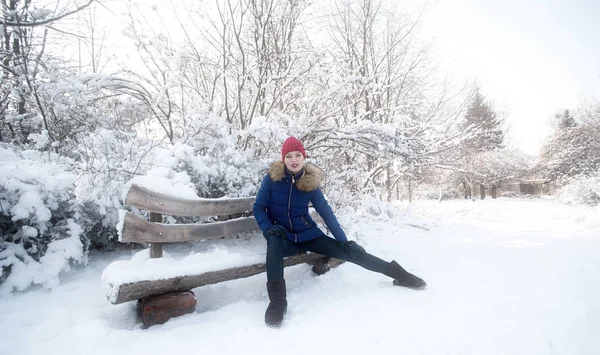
(21, 56)
(43, 16)
(258, 42)
(590, 115)
(92, 41)
(388, 81)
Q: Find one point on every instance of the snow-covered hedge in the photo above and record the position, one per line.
(581, 191)
(106, 161)
(53, 208)
(215, 157)
(39, 219)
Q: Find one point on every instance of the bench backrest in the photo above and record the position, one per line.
(138, 230)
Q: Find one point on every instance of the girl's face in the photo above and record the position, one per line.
(294, 161)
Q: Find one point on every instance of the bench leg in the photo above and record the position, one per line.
(160, 308)
(324, 264)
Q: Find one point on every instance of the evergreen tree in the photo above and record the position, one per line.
(565, 120)
(572, 151)
(483, 127)
(483, 134)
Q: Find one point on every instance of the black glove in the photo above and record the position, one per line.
(276, 231)
(353, 249)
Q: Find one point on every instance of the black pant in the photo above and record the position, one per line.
(278, 248)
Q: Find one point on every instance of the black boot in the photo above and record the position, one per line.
(278, 305)
(404, 278)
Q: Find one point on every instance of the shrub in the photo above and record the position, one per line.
(41, 233)
(581, 191)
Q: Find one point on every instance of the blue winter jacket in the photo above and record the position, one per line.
(283, 199)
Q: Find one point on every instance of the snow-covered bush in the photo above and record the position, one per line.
(41, 231)
(432, 192)
(218, 158)
(108, 160)
(581, 191)
(53, 209)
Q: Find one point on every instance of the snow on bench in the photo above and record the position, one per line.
(143, 270)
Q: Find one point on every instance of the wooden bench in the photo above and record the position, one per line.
(161, 298)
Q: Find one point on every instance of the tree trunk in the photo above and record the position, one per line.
(388, 183)
(481, 191)
(472, 191)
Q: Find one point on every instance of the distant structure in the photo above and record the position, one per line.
(530, 187)
(512, 188)
(537, 187)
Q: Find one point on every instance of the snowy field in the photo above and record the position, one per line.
(505, 277)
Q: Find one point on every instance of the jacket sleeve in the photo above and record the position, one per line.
(262, 203)
(324, 210)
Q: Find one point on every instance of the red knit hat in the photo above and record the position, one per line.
(292, 144)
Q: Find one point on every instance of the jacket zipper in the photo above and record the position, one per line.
(289, 208)
(305, 222)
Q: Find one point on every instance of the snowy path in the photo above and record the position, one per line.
(505, 277)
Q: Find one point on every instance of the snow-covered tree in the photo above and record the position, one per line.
(483, 134)
(571, 155)
(483, 126)
(590, 116)
(573, 150)
(24, 28)
(494, 167)
(383, 112)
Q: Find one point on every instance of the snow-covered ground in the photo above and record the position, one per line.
(505, 277)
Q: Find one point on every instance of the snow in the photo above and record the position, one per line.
(581, 190)
(178, 186)
(26, 173)
(507, 276)
(22, 264)
(141, 267)
(121, 223)
(32, 186)
(60, 254)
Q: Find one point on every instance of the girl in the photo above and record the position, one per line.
(281, 211)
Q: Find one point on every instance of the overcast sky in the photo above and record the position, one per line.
(531, 57)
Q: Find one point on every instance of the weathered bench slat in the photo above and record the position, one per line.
(138, 230)
(137, 290)
(156, 202)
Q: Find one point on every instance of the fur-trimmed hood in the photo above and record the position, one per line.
(310, 180)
